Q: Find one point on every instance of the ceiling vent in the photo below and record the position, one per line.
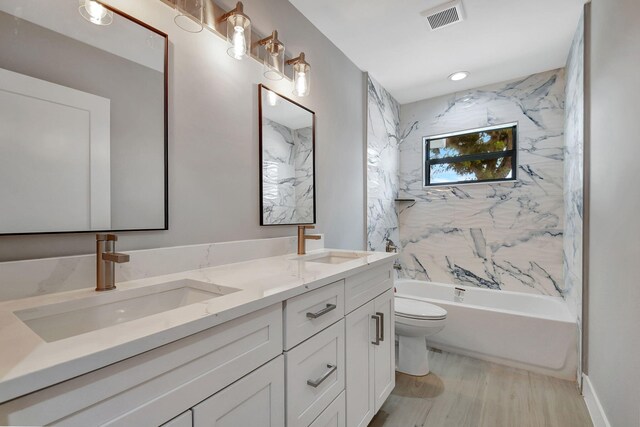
(444, 15)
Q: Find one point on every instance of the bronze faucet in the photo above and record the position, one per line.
(302, 238)
(106, 259)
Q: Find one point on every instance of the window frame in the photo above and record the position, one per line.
(513, 153)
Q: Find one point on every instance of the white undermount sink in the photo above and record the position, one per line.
(54, 322)
(333, 257)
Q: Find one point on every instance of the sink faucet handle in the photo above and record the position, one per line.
(308, 227)
(112, 237)
(115, 257)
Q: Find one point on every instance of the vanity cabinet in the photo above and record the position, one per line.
(315, 375)
(153, 387)
(256, 400)
(370, 350)
(323, 358)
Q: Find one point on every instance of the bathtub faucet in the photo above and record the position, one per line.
(391, 247)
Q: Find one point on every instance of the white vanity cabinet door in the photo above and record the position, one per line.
(256, 400)
(315, 375)
(360, 366)
(311, 312)
(183, 420)
(334, 415)
(385, 352)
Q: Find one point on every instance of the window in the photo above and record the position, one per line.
(479, 155)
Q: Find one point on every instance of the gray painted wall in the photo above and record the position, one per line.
(613, 291)
(213, 138)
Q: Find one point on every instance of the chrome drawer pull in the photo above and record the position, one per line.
(376, 317)
(322, 312)
(316, 383)
(381, 325)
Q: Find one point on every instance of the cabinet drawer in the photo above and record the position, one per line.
(334, 415)
(315, 375)
(364, 287)
(153, 387)
(257, 400)
(309, 313)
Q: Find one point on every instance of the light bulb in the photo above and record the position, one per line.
(301, 84)
(95, 9)
(238, 43)
(95, 13)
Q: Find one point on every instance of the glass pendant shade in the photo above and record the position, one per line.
(239, 35)
(95, 13)
(274, 58)
(301, 77)
(189, 15)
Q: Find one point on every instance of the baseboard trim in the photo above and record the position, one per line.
(598, 417)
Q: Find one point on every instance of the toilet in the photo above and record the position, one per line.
(415, 321)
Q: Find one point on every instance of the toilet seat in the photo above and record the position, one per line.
(418, 310)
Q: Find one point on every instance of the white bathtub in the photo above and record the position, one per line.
(532, 332)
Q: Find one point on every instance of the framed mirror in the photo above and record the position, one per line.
(287, 160)
(83, 113)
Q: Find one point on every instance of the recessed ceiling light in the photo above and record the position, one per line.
(459, 75)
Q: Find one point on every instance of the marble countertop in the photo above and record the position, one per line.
(28, 363)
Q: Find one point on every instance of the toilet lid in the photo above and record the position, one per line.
(418, 309)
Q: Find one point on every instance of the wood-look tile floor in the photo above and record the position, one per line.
(465, 392)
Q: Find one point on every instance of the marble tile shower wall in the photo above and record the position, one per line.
(506, 236)
(288, 174)
(383, 128)
(573, 172)
(573, 181)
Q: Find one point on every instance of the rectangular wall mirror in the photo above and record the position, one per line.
(83, 119)
(287, 160)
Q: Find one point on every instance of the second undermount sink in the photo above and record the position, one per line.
(334, 257)
(70, 318)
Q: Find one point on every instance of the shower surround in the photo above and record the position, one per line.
(506, 236)
(383, 128)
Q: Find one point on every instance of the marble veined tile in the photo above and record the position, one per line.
(383, 179)
(417, 216)
(522, 211)
(382, 223)
(573, 173)
(499, 235)
(528, 259)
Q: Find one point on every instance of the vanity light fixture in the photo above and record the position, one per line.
(459, 75)
(189, 15)
(273, 57)
(95, 12)
(301, 75)
(238, 31)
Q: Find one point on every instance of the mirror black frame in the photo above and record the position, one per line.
(166, 138)
(313, 149)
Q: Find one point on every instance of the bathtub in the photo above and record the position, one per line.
(533, 332)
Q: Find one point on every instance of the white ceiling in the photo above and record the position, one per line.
(499, 40)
